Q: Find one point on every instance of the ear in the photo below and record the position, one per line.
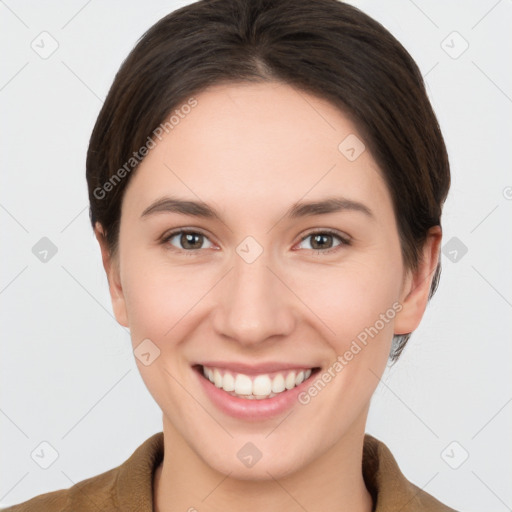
(111, 266)
(416, 287)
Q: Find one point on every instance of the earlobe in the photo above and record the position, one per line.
(416, 288)
(111, 266)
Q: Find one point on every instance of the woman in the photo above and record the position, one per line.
(266, 181)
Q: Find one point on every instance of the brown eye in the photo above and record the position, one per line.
(186, 240)
(323, 241)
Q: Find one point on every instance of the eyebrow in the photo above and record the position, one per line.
(297, 210)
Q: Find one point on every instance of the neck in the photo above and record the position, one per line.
(333, 482)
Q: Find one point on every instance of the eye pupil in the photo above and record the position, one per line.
(321, 237)
(187, 240)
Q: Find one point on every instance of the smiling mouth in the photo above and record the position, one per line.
(256, 387)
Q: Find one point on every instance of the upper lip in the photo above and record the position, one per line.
(254, 369)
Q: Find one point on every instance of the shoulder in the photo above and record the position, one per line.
(126, 487)
(389, 487)
(92, 494)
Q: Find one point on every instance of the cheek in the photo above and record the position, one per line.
(353, 297)
(161, 302)
(158, 295)
(358, 303)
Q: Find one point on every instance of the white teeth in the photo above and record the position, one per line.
(217, 378)
(243, 385)
(262, 385)
(278, 383)
(290, 381)
(228, 383)
(256, 388)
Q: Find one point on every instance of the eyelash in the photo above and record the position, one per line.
(345, 240)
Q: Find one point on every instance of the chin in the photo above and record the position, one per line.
(263, 470)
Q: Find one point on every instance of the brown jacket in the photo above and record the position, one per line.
(128, 487)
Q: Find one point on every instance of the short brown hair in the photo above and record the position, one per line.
(324, 47)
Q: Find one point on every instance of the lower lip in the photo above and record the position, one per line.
(255, 409)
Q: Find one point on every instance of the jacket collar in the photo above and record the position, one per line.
(390, 490)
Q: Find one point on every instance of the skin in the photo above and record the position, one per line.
(251, 151)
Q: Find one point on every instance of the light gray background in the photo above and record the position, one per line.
(68, 375)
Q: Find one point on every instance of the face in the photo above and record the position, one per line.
(263, 287)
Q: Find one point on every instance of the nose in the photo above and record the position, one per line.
(254, 303)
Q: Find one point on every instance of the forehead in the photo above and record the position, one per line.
(253, 144)
(263, 122)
